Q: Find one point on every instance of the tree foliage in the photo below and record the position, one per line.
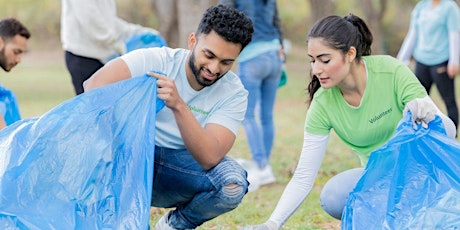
(43, 17)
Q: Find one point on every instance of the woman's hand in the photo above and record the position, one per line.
(423, 111)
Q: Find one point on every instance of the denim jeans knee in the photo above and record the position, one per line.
(199, 195)
(229, 178)
(335, 192)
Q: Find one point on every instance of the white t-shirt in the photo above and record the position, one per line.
(92, 28)
(223, 103)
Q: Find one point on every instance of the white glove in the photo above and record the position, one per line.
(423, 111)
(269, 225)
(120, 47)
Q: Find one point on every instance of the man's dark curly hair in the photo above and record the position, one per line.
(10, 27)
(231, 24)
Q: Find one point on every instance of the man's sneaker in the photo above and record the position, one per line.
(253, 180)
(266, 176)
(248, 165)
(163, 224)
(256, 177)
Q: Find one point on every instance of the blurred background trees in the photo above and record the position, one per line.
(388, 19)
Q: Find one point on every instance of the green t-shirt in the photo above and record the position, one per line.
(390, 85)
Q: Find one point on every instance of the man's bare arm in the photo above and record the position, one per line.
(114, 71)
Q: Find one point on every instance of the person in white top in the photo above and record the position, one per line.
(205, 103)
(91, 35)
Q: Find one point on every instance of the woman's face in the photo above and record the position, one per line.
(329, 65)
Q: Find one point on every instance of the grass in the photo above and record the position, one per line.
(42, 82)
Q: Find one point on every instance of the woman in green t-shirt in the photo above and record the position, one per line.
(361, 97)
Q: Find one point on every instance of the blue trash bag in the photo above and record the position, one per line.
(141, 40)
(9, 104)
(85, 164)
(144, 40)
(412, 182)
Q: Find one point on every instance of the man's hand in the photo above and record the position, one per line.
(167, 91)
(423, 111)
(269, 225)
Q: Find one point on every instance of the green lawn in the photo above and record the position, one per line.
(41, 82)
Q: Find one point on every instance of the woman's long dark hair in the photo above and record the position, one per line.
(340, 34)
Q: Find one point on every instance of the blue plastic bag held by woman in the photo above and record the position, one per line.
(412, 182)
(85, 164)
(9, 106)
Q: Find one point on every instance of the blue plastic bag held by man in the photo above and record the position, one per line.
(9, 106)
(412, 182)
(85, 164)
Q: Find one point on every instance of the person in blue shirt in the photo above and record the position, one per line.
(433, 42)
(260, 67)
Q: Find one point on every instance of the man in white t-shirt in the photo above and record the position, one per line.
(205, 105)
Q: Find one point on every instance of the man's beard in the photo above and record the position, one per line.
(3, 62)
(196, 72)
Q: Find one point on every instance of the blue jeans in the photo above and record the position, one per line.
(199, 195)
(261, 76)
(334, 195)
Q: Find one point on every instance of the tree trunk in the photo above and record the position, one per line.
(321, 9)
(373, 17)
(165, 12)
(178, 18)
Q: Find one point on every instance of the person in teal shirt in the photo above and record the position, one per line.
(433, 42)
(362, 97)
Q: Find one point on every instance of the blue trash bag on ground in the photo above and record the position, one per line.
(412, 182)
(9, 104)
(85, 164)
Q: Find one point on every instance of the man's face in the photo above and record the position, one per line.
(211, 58)
(11, 51)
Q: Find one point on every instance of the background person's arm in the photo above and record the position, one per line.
(407, 48)
(454, 54)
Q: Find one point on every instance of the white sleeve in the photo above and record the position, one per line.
(300, 185)
(449, 126)
(454, 51)
(407, 47)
